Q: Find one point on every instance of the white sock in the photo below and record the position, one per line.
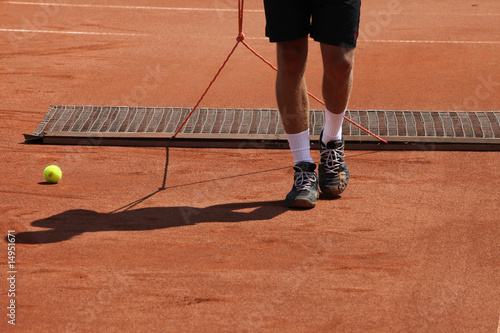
(333, 126)
(300, 146)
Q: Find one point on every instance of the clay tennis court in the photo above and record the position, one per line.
(138, 239)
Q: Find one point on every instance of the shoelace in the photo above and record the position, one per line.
(304, 179)
(332, 159)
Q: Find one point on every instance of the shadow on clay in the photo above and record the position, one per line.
(75, 222)
(66, 225)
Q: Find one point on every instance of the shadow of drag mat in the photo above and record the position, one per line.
(71, 223)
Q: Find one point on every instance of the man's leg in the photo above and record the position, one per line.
(291, 94)
(293, 104)
(337, 82)
(291, 90)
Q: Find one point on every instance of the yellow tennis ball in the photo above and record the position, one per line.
(52, 174)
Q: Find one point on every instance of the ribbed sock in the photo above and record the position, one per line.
(300, 146)
(333, 126)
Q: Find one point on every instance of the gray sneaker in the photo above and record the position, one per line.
(305, 190)
(333, 172)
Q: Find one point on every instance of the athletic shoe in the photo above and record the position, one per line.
(305, 190)
(333, 172)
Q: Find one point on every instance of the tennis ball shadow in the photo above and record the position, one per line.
(46, 183)
(71, 223)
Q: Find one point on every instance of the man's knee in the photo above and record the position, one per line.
(292, 56)
(339, 63)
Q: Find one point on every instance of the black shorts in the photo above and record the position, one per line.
(334, 22)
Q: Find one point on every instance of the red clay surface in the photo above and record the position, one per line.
(412, 245)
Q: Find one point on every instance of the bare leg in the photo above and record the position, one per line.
(291, 90)
(337, 76)
(337, 83)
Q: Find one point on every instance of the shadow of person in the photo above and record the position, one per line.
(68, 224)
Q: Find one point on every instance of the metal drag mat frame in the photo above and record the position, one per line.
(262, 128)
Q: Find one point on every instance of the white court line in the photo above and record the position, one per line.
(204, 9)
(72, 32)
(458, 14)
(410, 41)
(252, 38)
(130, 7)
(429, 41)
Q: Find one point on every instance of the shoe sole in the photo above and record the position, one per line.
(331, 194)
(301, 203)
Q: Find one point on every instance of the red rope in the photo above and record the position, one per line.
(206, 90)
(259, 56)
(240, 17)
(241, 39)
